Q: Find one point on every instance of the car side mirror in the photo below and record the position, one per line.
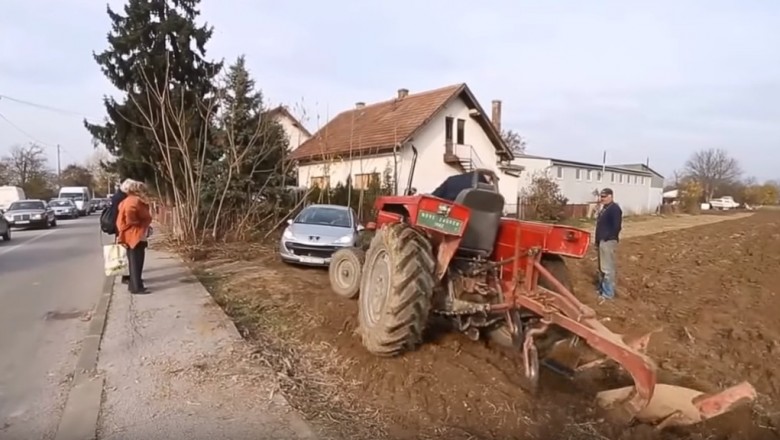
(289, 221)
(360, 228)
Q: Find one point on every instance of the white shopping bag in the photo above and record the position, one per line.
(115, 259)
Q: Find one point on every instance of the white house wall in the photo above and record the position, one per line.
(430, 143)
(295, 135)
(340, 170)
(633, 198)
(431, 170)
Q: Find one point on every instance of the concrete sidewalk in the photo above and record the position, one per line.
(175, 367)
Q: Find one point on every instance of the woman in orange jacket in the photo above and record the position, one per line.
(133, 222)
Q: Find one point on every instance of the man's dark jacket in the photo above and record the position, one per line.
(453, 185)
(116, 199)
(609, 223)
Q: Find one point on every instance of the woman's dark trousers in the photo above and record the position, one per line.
(135, 262)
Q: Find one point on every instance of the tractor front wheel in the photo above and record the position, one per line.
(557, 267)
(395, 290)
(344, 272)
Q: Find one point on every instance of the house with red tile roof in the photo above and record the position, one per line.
(297, 134)
(448, 128)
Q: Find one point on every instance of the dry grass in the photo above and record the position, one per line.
(311, 376)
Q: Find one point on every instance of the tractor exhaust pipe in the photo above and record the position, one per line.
(408, 191)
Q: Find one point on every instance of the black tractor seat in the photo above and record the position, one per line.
(487, 208)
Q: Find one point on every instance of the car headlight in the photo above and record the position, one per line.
(344, 240)
(37, 216)
(287, 234)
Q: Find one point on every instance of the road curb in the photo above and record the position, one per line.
(82, 409)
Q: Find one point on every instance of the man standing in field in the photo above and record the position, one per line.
(608, 226)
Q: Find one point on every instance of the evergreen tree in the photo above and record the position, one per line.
(154, 44)
(257, 143)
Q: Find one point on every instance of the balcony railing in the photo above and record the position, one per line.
(464, 155)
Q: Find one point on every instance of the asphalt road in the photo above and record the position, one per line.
(49, 282)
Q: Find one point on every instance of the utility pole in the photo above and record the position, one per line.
(59, 170)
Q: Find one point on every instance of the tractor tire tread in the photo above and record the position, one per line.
(402, 323)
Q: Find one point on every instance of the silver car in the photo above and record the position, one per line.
(64, 208)
(30, 213)
(317, 232)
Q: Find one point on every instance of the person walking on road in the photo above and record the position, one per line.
(134, 220)
(608, 226)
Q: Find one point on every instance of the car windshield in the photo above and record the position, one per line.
(19, 206)
(324, 216)
(60, 203)
(74, 196)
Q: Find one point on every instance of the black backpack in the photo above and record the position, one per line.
(108, 220)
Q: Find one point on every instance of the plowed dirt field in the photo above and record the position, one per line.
(713, 289)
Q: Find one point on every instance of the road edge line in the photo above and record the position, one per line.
(82, 409)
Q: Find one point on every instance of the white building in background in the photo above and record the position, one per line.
(297, 134)
(449, 129)
(638, 189)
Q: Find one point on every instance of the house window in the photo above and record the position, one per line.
(599, 176)
(448, 130)
(578, 174)
(364, 181)
(559, 172)
(636, 180)
(612, 177)
(620, 178)
(461, 132)
(590, 175)
(320, 182)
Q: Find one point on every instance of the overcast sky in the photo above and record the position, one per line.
(646, 79)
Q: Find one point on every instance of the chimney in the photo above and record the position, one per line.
(496, 118)
(403, 93)
(359, 105)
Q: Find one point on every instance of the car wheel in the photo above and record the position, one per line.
(54, 222)
(7, 235)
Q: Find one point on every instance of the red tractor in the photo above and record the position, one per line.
(504, 278)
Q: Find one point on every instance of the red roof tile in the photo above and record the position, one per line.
(379, 127)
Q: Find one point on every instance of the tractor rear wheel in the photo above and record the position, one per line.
(557, 267)
(344, 272)
(395, 290)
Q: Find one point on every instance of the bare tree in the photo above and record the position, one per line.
(712, 168)
(514, 141)
(27, 167)
(201, 169)
(24, 164)
(5, 178)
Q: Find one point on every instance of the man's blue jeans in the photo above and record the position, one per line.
(607, 269)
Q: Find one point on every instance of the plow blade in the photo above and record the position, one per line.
(679, 406)
(648, 402)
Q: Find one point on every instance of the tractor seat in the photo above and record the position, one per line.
(487, 208)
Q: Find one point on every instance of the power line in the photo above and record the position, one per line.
(45, 107)
(36, 140)
(20, 130)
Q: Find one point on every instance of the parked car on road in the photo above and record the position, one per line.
(30, 213)
(317, 232)
(64, 208)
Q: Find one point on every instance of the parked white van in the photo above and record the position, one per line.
(10, 194)
(81, 196)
